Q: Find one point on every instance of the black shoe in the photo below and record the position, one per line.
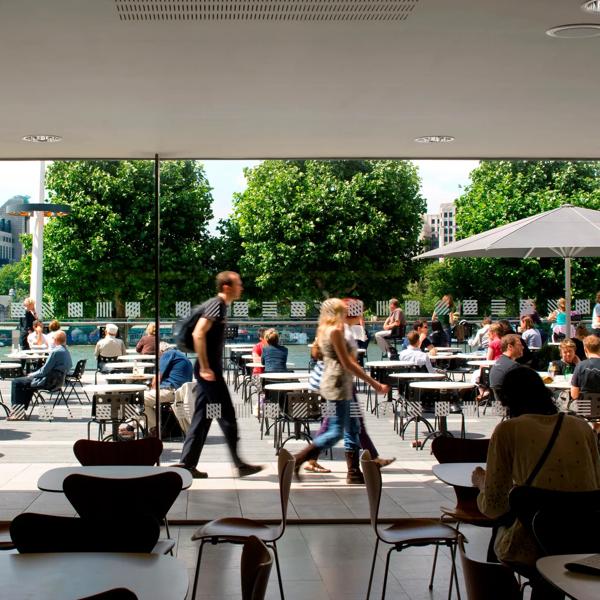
(392, 354)
(195, 473)
(245, 470)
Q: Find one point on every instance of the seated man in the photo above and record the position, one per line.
(110, 345)
(51, 375)
(395, 321)
(586, 377)
(414, 355)
(568, 359)
(512, 349)
(175, 369)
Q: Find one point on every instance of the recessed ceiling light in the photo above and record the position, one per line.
(575, 31)
(41, 138)
(434, 139)
(591, 7)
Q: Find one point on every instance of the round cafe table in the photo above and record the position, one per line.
(578, 586)
(447, 349)
(139, 357)
(481, 363)
(287, 376)
(458, 474)
(127, 377)
(52, 480)
(72, 575)
(126, 366)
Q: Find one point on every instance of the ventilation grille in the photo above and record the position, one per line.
(264, 10)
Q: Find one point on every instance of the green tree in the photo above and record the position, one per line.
(504, 191)
(16, 275)
(312, 229)
(104, 250)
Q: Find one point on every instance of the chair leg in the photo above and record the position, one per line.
(435, 555)
(197, 573)
(387, 568)
(453, 574)
(372, 568)
(278, 569)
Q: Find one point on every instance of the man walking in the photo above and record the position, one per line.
(393, 325)
(208, 336)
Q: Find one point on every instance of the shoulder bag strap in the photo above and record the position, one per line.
(547, 451)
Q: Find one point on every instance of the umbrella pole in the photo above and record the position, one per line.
(568, 295)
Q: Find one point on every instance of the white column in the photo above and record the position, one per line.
(568, 295)
(37, 249)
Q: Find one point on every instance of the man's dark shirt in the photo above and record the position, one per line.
(587, 376)
(560, 366)
(500, 369)
(425, 344)
(215, 310)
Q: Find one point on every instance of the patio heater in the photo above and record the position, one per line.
(38, 212)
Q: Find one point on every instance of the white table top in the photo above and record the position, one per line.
(470, 356)
(447, 349)
(389, 364)
(456, 473)
(113, 366)
(247, 357)
(417, 375)
(27, 355)
(440, 356)
(300, 386)
(9, 365)
(481, 363)
(52, 480)
(559, 383)
(576, 585)
(104, 388)
(139, 357)
(441, 385)
(127, 376)
(284, 376)
(237, 347)
(72, 575)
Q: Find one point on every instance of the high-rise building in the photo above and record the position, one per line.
(11, 227)
(439, 229)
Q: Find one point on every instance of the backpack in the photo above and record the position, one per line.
(184, 328)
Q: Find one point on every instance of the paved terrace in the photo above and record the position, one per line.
(319, 561)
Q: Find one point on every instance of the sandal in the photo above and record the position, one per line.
(383, 462)
(316, 468)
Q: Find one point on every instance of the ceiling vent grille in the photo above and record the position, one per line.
(264, 10)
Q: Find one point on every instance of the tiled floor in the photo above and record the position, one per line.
(318, 561)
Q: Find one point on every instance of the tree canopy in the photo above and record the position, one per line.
(104, 250)
(505, 191)
(312, 229)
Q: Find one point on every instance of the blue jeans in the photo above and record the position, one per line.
(342, 425)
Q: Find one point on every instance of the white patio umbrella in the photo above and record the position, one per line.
(567, 232)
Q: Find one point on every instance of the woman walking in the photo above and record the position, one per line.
(336, 387)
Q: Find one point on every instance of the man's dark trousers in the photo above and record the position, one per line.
(210, 392)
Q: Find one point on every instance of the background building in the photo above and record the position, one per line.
(439, 229)
(11, 227)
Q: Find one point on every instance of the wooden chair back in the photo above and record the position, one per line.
(144, 452)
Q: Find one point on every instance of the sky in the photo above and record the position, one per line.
(442, 181)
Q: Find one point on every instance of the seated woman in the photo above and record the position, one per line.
(438, 337)
(53, 329)
(147, 343)
(495, 343)
(37, 338)
(274, 356)
(515, 449)
(530, 335)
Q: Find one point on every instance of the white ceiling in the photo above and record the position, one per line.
(480, 70)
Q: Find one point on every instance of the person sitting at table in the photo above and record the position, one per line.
(516, 446)
(51, 375)
(110, 345)
(439, 338)
(53, 327)
(393, 326)
(422, 328)
(37, 338)
(586, 377)
(175, 369)
(512, 349)
(413, 354)
(274, 356)
(531, 336)
(147, 343)
(568, 359)
(495, 343)
(257, 351)
(480, 340)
